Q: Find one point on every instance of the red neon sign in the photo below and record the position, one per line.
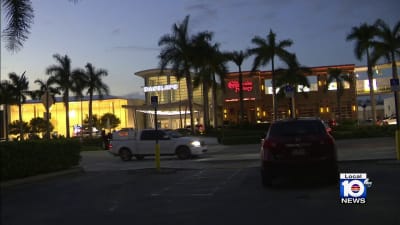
(246, 85)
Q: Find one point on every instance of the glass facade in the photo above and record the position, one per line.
(78, 111)
(173, 109)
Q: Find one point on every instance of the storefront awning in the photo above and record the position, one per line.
(175, 108)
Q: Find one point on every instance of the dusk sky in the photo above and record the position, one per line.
(122, 36)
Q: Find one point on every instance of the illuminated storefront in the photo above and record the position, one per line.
(173, 108)
(314, 102)
(78, 111)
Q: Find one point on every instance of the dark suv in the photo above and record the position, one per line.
(298, 145)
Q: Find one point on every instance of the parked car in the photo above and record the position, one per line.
(128, 143)
(297, 145)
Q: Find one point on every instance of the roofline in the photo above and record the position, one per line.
(315, 68)
(78, 99)
(378, 66)
(151, 72)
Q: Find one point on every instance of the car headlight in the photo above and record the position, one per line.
(195, 143)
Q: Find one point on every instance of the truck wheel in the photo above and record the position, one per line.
(183, 152)
(125, 154)
(139, 157)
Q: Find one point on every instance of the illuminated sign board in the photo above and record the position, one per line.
(166, 87)
(246, 85)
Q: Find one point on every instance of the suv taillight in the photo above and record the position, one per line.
(268, 144)
(328, 140)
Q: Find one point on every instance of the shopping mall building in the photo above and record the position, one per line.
(318, 100)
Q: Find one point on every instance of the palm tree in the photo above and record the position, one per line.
(7, 98)
(211, 63)
(48, 92)
(388, 46)
(19, 85)
(65, 79)
(336, 76)
(92, 80)
(265, 52)
(179, 51)
(295, 77)
(238, 58)
(19, 16)
(364, 36)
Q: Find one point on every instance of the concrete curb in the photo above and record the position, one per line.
(40, 177)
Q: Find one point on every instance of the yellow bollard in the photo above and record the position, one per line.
(398, 144)
(158, 157)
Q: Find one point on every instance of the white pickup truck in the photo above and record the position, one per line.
(127, 143)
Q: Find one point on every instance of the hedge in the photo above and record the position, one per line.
(28, 158)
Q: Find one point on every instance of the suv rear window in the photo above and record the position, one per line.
(297, 128)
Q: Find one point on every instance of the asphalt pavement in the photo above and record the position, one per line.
(238, 155)
(220, 187)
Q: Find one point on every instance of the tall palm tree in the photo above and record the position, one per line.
(19, 85)
(336, 76)
(19, 16)
(295, 77)
(388, 45)
(364, 37)
(238, 57)
(265, 52)
(92, 80)
(179, 51)
(65, 80)
(211, 62)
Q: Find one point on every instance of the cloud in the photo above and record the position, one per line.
(116, 31)
(203, 9)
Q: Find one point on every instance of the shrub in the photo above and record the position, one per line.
(28, 158)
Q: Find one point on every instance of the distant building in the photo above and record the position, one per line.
(173, 108)
(315, 101)
(78, 111)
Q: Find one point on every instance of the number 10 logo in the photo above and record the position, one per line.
(353, 188)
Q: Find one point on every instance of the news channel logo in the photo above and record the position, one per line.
(353, 188)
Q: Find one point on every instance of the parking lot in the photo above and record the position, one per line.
(222, 187)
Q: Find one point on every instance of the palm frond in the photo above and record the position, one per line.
(19, 18)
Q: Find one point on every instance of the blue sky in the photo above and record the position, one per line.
(122, 35)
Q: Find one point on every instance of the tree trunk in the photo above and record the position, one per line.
(339, 90)
(241, 96)
(91, 114)
(7, 122)
(206, 114)
(21, 127)
(371, 89)
(215, 103)
(66, 103)
(274, 99)
(293, 102)
(180, 110)
(190, 99)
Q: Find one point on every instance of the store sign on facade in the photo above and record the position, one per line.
(246, 85)
(166, 87)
